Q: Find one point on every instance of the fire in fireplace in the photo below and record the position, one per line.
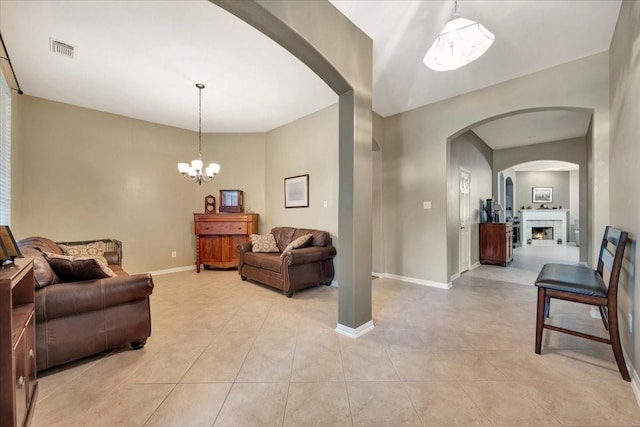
(542, 233)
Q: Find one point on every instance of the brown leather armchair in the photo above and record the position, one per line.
(78, 319)
(295, 270)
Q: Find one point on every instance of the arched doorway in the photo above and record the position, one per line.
(481, 156)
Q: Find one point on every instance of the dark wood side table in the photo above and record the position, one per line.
(496, 243)
(18, 384)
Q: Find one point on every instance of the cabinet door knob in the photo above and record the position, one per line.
(31, 354)
(20, 381)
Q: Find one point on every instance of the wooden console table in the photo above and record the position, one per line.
(218, 236)
(18, 385)
(496, 243)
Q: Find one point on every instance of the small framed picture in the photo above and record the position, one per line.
(542, 194)
(8, 243)
(296, 191)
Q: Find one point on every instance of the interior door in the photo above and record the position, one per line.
(465, 230)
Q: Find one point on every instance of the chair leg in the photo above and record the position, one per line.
(604, 316)
(547, 305)
(616, 346)
(540, 316)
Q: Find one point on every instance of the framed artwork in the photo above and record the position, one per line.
(296, 191)
(8, 245)
(542, 194)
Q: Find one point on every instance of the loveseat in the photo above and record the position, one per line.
(289, 269)
(77, 314)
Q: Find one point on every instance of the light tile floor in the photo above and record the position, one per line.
(229, 353)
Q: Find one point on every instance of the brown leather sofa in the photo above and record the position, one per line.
(78, 319)
(295, 270)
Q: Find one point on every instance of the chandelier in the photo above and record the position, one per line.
(460, 42)
(194, 172)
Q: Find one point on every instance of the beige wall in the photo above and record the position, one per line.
(557, 180)
(415, 159)
(306, 146)
(376, 192)
(470, 152)
(84, 174)
(625, 163)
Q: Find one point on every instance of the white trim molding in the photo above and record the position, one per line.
(357, 332)
(422, 282)
(474, 265)
(173, 270)
(635, 380)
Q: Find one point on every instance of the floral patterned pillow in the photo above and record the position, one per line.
(95, 249)
(261, 243)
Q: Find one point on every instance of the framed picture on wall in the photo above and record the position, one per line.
(542, 194)
(296, 191)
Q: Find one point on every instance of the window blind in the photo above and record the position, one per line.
(5, 153)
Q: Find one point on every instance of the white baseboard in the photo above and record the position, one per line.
(454, 277)
(635, 380)
(173, 270)
(422, 282)
(474, 265)
(357, 332)
(334, 283)
(595, 312)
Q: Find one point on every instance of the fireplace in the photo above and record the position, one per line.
(542, 233)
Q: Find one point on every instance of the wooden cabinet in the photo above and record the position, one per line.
(218, 236)
(18, 385)
(496, 243)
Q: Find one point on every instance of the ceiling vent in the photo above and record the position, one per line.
(61, 48)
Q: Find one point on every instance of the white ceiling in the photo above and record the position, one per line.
(533, 128)
(142, 58)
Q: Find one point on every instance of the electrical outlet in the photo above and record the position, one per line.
(426, 205)
(630, 319)
(325, 204)
(173, 254)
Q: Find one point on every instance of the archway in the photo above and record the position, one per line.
(329, 51)
(574, 150)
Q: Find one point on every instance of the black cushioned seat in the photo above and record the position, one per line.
(572, 278)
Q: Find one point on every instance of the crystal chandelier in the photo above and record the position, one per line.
(460, 42)
(194, 172)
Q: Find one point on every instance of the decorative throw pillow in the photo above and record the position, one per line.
(42, 271)
(300, 242)
(261, 243)
(77, 269)
(95, 249)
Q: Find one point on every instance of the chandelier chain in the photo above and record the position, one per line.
(195, 172)
(200, 121)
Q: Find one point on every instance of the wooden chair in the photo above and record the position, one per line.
(584, 285)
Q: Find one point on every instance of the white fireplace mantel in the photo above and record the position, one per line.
(556, 218)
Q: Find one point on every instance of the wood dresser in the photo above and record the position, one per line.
(218, 236)
(18, 385)
(496, 243)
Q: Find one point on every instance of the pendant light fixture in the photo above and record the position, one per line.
(460, 42)
(194, 172)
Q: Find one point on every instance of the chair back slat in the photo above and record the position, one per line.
(611, 257)
(607, 259)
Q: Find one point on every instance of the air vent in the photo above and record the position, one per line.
(61, 48)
